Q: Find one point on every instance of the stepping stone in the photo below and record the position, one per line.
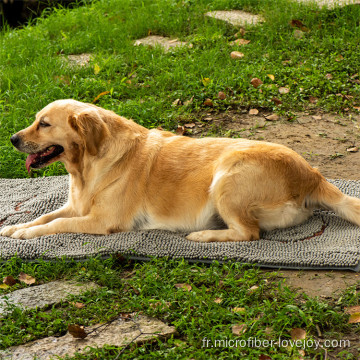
(43, 295)
(166, 43)
(236, 17)
(119, 333)
(78, 59)
(330, 4)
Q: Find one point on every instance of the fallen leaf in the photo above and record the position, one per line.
(208, 102)
(96, 69)
(27, 279)
(339, 58)
(356, 108)
(283, 90)
(241, 32)
(9, 280)
(352, 310)
(272, 77)
(329, 76)
(77, 331)
(297, 334)
(253, 111)
(239, 329)
(236, 55)
(241, 42)
(189, 126)
(188, 102)
(186, 287)
(255, 82)
(221, 95)
(276, 101)
(63, 79)
(180, 130)
(299, 24)
(4, 286)
(100, 95)
(177, 102)
(206, 81)
(264, 357)
(313, 99)
(353, 150)
(238, 309)
(354, 318)
(316, 117)
(253, 289)
(78, 305)
(272, 117)
(268, 330)
(218, 300)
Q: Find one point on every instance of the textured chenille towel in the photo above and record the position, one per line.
(325, 241)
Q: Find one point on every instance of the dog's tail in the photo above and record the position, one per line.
(328, 196)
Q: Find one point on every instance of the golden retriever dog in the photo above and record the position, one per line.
(125, 177)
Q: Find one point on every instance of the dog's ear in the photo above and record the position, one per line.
(91, 128)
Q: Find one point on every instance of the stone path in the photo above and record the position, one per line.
(118, 333)
(43, 295)
(236, 17)
(330, 4)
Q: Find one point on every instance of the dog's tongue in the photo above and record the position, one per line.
(29, 160)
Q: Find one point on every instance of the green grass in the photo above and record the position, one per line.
(149, 288)
(33, 71)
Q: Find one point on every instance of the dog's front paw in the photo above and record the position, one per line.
(198, 236)
(28, 233)
(9, 230)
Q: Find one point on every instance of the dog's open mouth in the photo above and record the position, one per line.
(43, 158)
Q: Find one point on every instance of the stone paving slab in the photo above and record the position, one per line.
(78, 59)
(43, 295)
(166, 43)
(236, 17)
(118, 333)
(330, 4)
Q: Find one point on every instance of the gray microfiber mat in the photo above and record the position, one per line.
(324, 241)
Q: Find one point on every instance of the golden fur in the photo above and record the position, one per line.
(125, 177)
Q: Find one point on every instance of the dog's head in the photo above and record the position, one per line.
(63, 131)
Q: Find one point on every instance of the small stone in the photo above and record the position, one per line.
(236, 55)
(316, 117)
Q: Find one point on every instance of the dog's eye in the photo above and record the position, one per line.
(44, 124)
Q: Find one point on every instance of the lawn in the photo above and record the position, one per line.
(310, 51)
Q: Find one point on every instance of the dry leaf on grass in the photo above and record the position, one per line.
(208, 102)
(352, 309)
(283, 90)
(354, 318)
(241, 42)
(299, 24)
(4, 286)
(177, 102)
(100, 95)
(218, 300)
(313, 99)
(239, 329)
(298, 334)
(255, 82)
(272, 117)
(77, 331)
(276, 101)
(186, 287)
(264, 357)
(253, 111)
(78, 305)
(96, 69)
(271, 76)
(238, 309)
(9, 280)
(189, 126)
(236, 55)
(221, 95)
(27, 279)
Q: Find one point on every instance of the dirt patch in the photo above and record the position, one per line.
(322, 139)
(321, 283)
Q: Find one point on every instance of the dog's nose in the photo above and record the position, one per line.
(15, 139)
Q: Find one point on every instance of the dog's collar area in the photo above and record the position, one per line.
(44, 157)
